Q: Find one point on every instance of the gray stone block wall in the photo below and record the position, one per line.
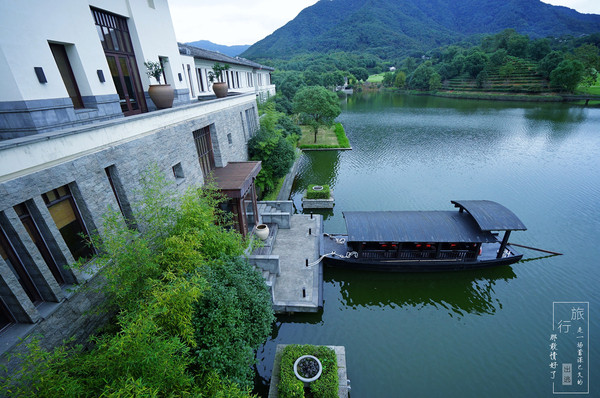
(89, 184)
(25, 118)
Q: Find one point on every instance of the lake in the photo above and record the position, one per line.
(462, 334)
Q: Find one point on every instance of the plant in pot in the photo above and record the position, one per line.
(161, 94)
(220, 88)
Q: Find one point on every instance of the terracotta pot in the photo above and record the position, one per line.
(220, 89)
(262, 231)
(162, 95)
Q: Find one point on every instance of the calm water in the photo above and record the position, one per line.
(464, 334)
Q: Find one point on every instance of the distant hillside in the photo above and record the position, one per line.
(232, 51)
(390, 28)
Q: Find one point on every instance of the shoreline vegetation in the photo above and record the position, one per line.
(333, 137)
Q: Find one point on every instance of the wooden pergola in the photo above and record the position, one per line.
(236, 180)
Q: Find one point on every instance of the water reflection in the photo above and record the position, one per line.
(458, 293)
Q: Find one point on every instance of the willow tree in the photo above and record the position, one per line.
(316, 106)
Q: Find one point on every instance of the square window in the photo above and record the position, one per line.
(178, 171)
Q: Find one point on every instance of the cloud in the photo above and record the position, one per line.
(232, 21)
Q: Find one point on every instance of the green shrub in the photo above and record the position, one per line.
(322, 194)
(325, 387)
(341, 136)
(232, 319)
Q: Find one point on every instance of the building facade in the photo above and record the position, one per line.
(77, 130)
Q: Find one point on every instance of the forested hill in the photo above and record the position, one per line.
(391, 28)
(232, 51)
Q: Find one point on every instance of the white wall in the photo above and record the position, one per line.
(25, 29)
(153, 36)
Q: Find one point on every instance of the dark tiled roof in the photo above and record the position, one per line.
(414, 226)
(196, 52)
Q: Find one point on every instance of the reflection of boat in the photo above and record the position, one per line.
(457, 293)
(415, 241)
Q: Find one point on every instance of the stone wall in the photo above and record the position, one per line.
(62, 313)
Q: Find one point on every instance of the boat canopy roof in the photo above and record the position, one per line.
(414, 226)
(491, 216)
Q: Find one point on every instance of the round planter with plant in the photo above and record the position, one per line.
(215, 76)
(161, 94)
(308, 368)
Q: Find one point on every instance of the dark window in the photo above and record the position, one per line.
(66, 216)
(6, 318)
(40, 243)
(178, 171)
(200, 80)
(205, 150)
(189, 71)
(229, 139)
(163, 64)
(116, 42)
(66, 72)
(109, 173)
(251, 121)
(9, 255)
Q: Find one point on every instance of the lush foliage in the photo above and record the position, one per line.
(236, 297)
(154, 69)
(160, 281)
(392, 29)
(316, 107)
(217, 72)
(273, 145)
(324, 193)
(324, 387)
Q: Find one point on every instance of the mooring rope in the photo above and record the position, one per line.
(347, 255)
(339, 241)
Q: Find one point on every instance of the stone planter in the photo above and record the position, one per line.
(262, 231)
(308, 380)
(162, 95)
(220, 89)
(318, 203)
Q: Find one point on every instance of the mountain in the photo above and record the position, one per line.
(390, 28)
(232, 51)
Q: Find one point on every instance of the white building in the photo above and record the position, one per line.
(243, 76)
(76, 130)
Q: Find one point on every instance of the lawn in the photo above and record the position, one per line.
(376, 78)
(327, 137)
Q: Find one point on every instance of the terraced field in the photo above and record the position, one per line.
(517, 76)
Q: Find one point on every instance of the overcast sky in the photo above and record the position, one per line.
(231, 22)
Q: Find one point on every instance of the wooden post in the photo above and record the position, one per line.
(503, 244)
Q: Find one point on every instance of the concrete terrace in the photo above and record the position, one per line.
(298, 288)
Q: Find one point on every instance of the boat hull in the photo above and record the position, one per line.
(407, 265)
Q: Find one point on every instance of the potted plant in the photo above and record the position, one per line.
(161, 94)
(307, 369)
(220, 88)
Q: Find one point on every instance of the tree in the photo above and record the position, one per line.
(539, 48)
(475, 62)
(482, 78)
(388, 79)
(288, 83)
(567, 75)
(360, 73)
(517, 45)
(549, 63)
(316, 106)
(589, 56)
(421, 76)
(400, 79)
(498, 57)
(435, 81)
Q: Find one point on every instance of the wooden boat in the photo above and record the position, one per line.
(417, 241)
